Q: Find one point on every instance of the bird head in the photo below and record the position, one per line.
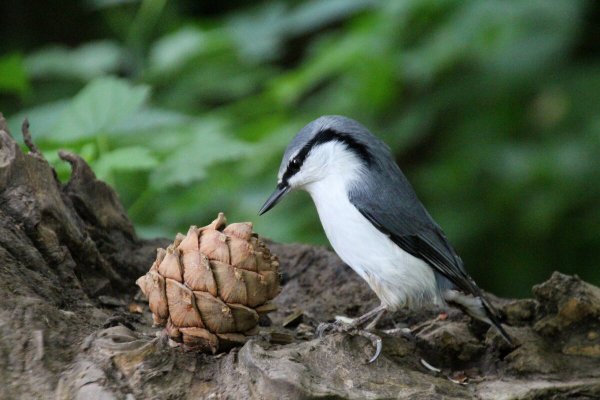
(330, 147)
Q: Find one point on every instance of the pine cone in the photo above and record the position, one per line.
(209, 287)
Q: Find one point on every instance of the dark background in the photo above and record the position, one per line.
(492, 109)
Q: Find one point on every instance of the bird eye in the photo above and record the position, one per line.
(294, 164)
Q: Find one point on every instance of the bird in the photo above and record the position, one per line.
(376, 224)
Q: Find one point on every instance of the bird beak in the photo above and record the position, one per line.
(274, 198)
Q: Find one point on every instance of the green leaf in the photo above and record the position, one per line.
(174, 50)
(104, 4)
(207, 145)
(13, 78)
(151, 119)
(334, 58)
(315, 14)
(134, 158)
(99, 108)
(260, 33)
(83, 63)
(41, 118)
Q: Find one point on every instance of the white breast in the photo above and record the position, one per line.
(398, 278)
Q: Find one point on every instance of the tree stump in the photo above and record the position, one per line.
(72, 324)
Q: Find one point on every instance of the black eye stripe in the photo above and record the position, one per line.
(293, 166)
(327, 135)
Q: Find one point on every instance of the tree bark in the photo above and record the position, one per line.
(72, 324)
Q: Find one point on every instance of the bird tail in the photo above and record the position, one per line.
(478, 307)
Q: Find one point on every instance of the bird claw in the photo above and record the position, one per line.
(375, 341)
(341, 327)
(336, 326)
(322, 328)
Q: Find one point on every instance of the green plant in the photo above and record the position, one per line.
(489, 106)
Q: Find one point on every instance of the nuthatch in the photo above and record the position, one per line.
(376, 224)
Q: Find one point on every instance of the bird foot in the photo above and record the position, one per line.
(337, 326)
(341, 325)
(351, 329)
(405, 332)
(376, 342)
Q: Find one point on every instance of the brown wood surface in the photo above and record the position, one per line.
(73, 325)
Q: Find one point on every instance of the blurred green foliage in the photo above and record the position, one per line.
(492, 108)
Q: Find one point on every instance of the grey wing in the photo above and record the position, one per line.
(409, 226)
(397, 212)
(386, 198)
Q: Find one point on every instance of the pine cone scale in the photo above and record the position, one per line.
(209, 287)
(182, 305)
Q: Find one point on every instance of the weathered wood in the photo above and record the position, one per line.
(71, 327)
